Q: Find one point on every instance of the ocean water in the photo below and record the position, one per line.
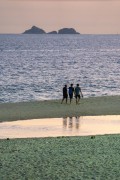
(36, 67)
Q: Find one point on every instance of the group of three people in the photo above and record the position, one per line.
(72, 91)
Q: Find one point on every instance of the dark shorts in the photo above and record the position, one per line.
(71, 96)
(77, 96)
(65, 96)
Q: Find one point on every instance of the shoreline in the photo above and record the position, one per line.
(93, 106)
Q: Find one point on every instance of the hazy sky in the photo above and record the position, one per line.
(86, 16)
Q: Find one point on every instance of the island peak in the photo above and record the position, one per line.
(67, 31)
(34, 30)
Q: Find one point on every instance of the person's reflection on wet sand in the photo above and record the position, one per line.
(77, 119)
(70, 122)
(64, 123)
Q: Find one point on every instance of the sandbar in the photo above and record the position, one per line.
(92, 106)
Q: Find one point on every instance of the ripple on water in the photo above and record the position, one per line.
(50, 62)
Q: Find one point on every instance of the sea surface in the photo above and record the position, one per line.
(36, 67)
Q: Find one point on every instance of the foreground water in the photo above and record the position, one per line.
(35, 67)
(71, 126)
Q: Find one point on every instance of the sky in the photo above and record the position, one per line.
(85, 16)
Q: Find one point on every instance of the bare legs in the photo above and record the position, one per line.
(63, 100)
(77, 99)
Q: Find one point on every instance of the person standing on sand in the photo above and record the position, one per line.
(71, 91)
(65, 94)
(78, 93)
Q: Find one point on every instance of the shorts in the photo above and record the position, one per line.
(65, 96)
(77, 96)
(71, 96)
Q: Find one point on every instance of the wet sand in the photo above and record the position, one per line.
(93, 106)
(70, 126)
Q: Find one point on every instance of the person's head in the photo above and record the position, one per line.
(77, 85)
(71, 85)
(65, 85)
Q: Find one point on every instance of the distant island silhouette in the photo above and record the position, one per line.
(36, 30)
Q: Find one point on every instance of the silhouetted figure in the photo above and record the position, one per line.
(71, 91)
(78, 93)
(65, 94)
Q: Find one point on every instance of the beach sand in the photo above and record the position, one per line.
(63, 158)
(105, 105)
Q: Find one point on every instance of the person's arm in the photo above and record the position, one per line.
(81, 93)
(74, 91)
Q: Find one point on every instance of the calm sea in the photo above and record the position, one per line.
(36, 67)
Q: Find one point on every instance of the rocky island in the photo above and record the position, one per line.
(52, 32)
(67, 31)
(36, 30)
